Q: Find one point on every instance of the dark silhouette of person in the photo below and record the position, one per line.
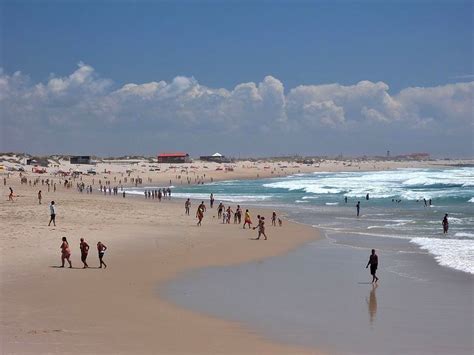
(374, 263)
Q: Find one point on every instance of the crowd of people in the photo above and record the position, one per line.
(227, 214)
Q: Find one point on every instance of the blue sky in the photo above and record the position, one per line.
(416, 43)
(403, 44)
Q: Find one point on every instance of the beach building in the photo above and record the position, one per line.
(216, 157)
(80, 159)
(176, 157)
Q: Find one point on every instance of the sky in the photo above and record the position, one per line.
(239, 77)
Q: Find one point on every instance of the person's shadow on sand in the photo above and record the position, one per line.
(74, 267)
(372, 304)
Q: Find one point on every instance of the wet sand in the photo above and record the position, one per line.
(321, 295)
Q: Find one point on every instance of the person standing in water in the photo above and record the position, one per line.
(101, 248)
(211, 200)
(84, 251)
(52, 213)
(345, 199)
(65, 253)
(39, 197)
(358, 208)
(374, 263)
(367, 197)
(445, 224)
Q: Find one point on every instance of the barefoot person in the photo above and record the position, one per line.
(52, 213)
(187, 206)
(65, 253)
(373, 262)
(261, 227)
(220, 209)
(84, 251)
(10, 195)
(358, 208)
(39, 197)
(274, 218)
(101, 248)
(247, 220)
(445, 224)
(199, 215)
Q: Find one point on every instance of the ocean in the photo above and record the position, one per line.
(395, 208)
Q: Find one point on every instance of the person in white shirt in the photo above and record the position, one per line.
(52, 212)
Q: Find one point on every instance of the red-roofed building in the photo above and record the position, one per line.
(176, 157)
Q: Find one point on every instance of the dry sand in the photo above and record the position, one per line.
(45, 309)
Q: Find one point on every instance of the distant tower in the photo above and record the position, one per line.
(388, 153)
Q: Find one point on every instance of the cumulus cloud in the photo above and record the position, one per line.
(258, 116)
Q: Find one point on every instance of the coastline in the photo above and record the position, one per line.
(49, 310)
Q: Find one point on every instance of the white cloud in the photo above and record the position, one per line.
(83, 102)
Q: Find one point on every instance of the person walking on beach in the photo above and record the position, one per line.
(261, 227)
(445, 224)
(101, 248)
(65, 253)
(345, 199)
(202, 206)
(52, 213)
(219, 210)
(238, 213)
(39, 197)
(84, 251)
(229, 213)
(187, 206)
(358, 208)
(373, 262)
(211, 200)
(199, 215)
(10, 196)
(247, 220)
(274, 218)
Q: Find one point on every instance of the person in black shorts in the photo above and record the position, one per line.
(101, 248)
(373, 262)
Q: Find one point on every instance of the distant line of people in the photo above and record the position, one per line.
(158, 194)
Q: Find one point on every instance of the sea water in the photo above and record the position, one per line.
(395, 209)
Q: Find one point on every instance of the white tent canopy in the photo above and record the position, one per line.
(217, 155)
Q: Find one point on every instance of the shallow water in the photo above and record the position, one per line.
(320, 296)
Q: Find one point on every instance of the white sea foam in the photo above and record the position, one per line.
(464, 234)
(453, 253)
(471, 200)
(408, 184)
(229, 198)
(332, 203)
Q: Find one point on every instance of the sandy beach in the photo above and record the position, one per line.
(45, 309)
